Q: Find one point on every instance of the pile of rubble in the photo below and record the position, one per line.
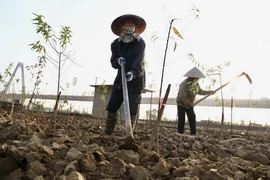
(36, 146)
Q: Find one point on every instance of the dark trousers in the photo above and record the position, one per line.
(116, 100)
(181, 112)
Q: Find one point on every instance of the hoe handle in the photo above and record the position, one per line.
(126, 102)
(243, 73)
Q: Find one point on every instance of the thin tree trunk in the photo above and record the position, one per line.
(56, 108)
(29, 103)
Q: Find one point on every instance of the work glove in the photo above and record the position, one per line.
(120, 60)
(129, 76)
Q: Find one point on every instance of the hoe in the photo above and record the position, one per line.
(242, 74)
(129, 139)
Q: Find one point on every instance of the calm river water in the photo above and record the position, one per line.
(238, 115)
(255, 115)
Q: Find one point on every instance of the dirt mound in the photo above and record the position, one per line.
(35, 146)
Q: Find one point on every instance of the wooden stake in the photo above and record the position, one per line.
(160, 112)
(250, 124)
(12, 108)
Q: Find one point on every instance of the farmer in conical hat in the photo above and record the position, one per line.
(128, 48)
(188, 89)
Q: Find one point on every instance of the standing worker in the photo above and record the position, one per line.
(188, 89)
(128, 48)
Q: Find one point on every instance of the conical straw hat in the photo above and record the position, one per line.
(116, 25)
(195, 73)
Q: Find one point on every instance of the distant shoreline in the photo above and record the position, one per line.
(248, 103)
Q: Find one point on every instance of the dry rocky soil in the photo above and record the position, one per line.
(37, 146)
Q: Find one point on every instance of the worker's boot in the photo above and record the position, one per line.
(111, 122)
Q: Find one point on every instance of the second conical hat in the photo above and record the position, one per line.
(195, 73)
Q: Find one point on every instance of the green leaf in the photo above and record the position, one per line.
(177, 32)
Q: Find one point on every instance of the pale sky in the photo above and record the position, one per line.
(235, 31)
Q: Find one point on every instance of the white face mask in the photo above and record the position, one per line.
(128, 29)
(126, 38)
(128, 34)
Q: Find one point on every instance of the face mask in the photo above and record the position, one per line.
(128, 34)
(128, 29)
(126, 38)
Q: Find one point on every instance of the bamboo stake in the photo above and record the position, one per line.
(12, 108)
(231, 115)
(160, 112)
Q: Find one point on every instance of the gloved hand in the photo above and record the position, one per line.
(120, 60)
(129, 76)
